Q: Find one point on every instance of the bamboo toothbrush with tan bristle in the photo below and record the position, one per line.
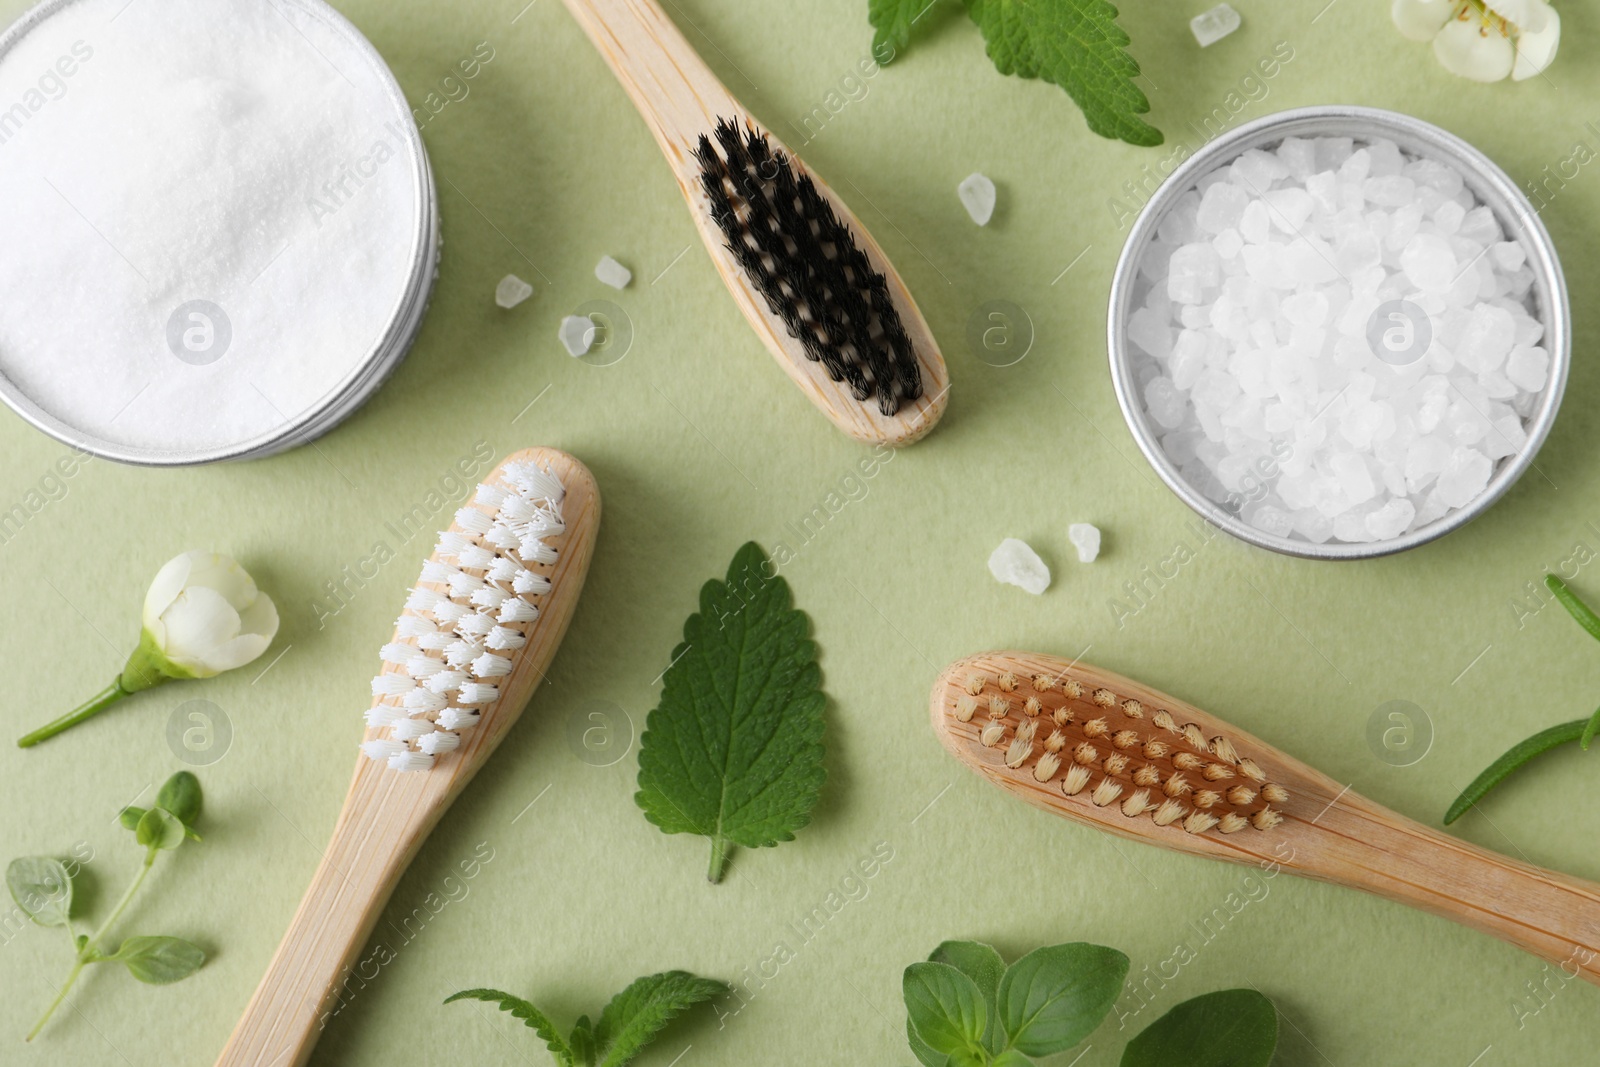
(1104, 750)
(476, 637)
(809, 277)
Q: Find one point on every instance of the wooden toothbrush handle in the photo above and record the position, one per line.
(1361, 844)
(304, 985)
(678, 95)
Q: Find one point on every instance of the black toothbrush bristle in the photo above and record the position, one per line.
(808, 267)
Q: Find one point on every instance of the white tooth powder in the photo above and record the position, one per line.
(214, 221)
(1336, 340)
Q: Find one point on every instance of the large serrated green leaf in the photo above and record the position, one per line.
(637, 1014)
(1077, 45)
(892, 21)
(734, 750)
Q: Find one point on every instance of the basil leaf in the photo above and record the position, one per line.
(159, 960)
(159, 828)
(42, 888)
(182, 797)
(1229, 1028)
(983, 965)
(1054, 997)
(945, 1007)
(919, 1048)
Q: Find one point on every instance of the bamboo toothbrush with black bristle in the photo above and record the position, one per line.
(476, 637)
(1113, 754)
(810, 279)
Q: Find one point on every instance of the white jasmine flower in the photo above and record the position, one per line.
(1484, 40)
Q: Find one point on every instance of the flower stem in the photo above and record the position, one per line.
(82, 713)
(93, 943)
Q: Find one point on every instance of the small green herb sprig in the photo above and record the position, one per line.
(1579, 730)
(42, 888)
(966, 1008)
(734, 750)
(1075, 44)
(629, 1023)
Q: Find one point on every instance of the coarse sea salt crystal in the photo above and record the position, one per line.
(613, 273)
(1336, 341)
(1085, 537)
(511, 291)
(1211, 26)
(978, 196)
(577, 334)
(1014, 563)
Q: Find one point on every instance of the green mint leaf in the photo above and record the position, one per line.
(983, 965)
(531, 1017)
(1229, 1028)
(637, 1014)
(159, 960)
(734, 750)
(892, 21)
(182, 797)
(945, 1008)
(1054, 997)
(42, 888)
(1575, 607)
(159, 828)
(1077, 45)
(1514, 757)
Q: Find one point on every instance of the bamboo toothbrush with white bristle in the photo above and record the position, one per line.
(476, 637)
(809, 277)
(1104, 750)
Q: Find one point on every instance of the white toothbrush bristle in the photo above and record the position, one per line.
(472, 609)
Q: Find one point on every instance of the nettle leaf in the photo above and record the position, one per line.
(983, 965)
(159, 960)
(531, 1017)
(159, 828)
(893, 21)
(1054, 997)
(583, 1042)
(42, 888)
(945, 1008)
(734, 750)
(1229, 1028)
(637, 1014)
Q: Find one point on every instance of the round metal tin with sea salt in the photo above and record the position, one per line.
(1491, 186)
(221, 229)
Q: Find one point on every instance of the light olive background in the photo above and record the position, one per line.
(700, 443)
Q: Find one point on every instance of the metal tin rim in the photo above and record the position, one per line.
(366, 375)
(1491, 185)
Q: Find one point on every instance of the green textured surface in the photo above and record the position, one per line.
(699, 444)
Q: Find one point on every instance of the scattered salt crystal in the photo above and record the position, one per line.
(613, 273)
(1209, 27)
(578, 333)
(1014, 563)
(1085, 537)
(1351, 313)
(978, 197)
(511, 291)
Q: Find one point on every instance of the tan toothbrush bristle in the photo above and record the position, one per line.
(974, 683)
(1169, 772)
